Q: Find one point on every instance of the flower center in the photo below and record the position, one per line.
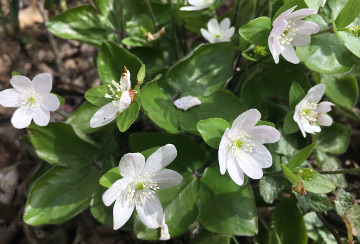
(241, 144)
(289, 33)
(308, 111)
(30, 100)
(142, 189)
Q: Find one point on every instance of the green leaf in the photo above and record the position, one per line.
(333, 139)
(296, 94)
(329, 163)
(351, 42)
(204, 71)
(101, 213)
(80, 119)
(128, 116)
(293, 178)
(96, 95)
(271, 187)
(313, 202)
(110, 177)
(141, 75)
(342, 91)
(348, 14)
(343, 202)
(206, 237)
(289, 223)
(300, 157)
(261, 122)
(325, 54)
(159, 107)
(61, 193)
(61, 99)
(59, 144)
(111, 61)
(15, 73)
(235, 206)
(257, 31)
(83, 24)
(353, 216)
(212, 130)
(289, 4)
(314, 4)
(290, 126)
(315, 182)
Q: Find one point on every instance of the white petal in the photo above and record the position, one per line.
(264, 134)
(41, 116)
(122, 212)
(307, 127)
(228, 34)
(316, 92)
(207, 35)
(245, 121)
(299, 121)
(160, 159)
(194, 8)
(22, 118)
(315, 128)
(250, 167)
(306, 27)
(224, 25)
(325, 120)
(275, 49)
(323, 3)
(50, 102)
(125, 83)
(301, 13)
(10, 98)
(262, 156)
(324, 107)
(114, 192)
(187, 102)
(167, 178)
(223, 151)
(21, 83)
(283, 15)
(125, 101)
(289, 54)
(278, 28)
(131, 165)
(104, 115)
(213, 26)
(301, 40)
(235, 172)
(164, 232)
(150, 212)
(42, 83)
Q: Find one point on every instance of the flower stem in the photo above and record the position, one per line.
(151, 15)
(333, 172)
(330, 29)
(121, 13)
(234, 239)
(235, 13)
(61, 114)
(174, 30)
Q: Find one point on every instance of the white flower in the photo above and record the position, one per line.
(138, 185)
(218, 33)
(164, 232)
(290, 31)
(309, 113)
(197, 5)
(241, 148)
(322, 3)
(122, 97)
(187, 102)
(33, 99)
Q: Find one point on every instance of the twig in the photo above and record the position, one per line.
(151, 14)
(53, 44)
(235, 13)
(330, 228)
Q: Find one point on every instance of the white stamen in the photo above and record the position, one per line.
(288, 35)
(30, 100)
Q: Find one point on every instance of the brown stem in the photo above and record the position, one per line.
(330, 228)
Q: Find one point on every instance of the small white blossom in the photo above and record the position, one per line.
(218, 32)
(164, 232)
(309, 113)
(241, 148)
(122, 96)
(322, 3)
(187, 102)
(290, 31)
(197, 5)
(33, 99)
(138, 186)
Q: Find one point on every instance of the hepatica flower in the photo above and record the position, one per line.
(33, 99)
(187, 102)
(241, 148)
(309, 113)
(218, 32)
(138, 186)
(290, 31)
(197, 5)
(122, 96)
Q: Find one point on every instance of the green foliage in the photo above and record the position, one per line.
(257, 31)
(96, 95)
(212, 130)
(315, 182)
(15, 73)
(290, 126)
(271, 187)
(80, 119)
(300, 157)
(289, 223)
(312, 202)
(61, 100)
(293, 178)
(296, 94)
(348, 14)
(333, 139)
(343, 202)
(141, 75)
(126, 118)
